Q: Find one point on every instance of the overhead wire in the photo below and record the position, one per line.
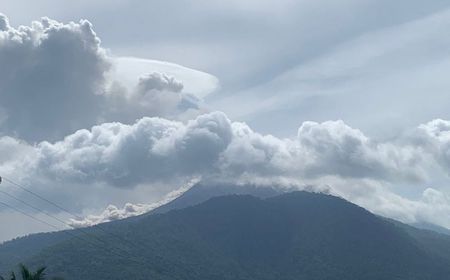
(63, 209)
(52, 216)
(119, 254)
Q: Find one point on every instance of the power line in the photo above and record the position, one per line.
(68, 232)
(51, 216)
(66, 211)
(58, 219)
(33, 207)
(40, 197)
(28, 215)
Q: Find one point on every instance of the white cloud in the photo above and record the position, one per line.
(50, 78)
(328, 155)
(335, 148)
(435, 136)
(432, 207)
(154, 94)
(56, 78)
(128, 69)
(159, 82)
(113, 213)
(152, 149)
(4, 23)
(155, 149)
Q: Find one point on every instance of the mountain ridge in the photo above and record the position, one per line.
(297, 235)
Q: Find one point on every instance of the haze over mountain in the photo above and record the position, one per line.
(297, 235)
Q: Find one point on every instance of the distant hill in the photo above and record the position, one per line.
(432, 227)
(297, 235)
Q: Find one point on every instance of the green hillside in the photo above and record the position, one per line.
(298, 235)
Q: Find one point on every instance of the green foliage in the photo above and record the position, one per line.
(26, 274)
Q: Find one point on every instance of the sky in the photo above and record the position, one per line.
(112, 107)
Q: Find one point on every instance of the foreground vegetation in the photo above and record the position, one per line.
(26, 274)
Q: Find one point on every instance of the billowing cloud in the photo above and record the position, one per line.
(435, 136)
(155, 94)
(127, 70)
(212, 146)
(328, 156)
(159, 82)
(50, 79)
(113, 213)
(338, 149)
(56, 79)
(152, 149)
(4, 23)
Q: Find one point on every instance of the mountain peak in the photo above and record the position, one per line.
(297, 235)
